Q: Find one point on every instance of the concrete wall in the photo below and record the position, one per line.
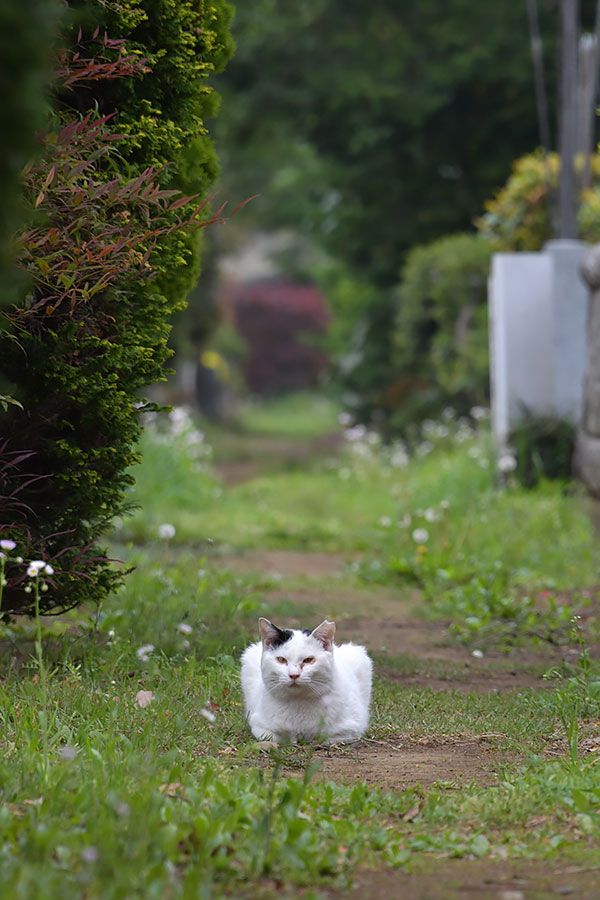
(538, 314)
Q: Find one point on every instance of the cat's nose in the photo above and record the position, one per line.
(293, 677)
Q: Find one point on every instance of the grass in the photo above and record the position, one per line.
(127, 769)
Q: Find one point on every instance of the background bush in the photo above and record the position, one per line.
(277, 320)
(520, 216)
(440, 330)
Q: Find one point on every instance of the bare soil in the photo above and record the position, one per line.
(457, 879)
(398, 763)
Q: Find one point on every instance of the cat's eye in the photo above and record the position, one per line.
(281, 659)
(309, 659)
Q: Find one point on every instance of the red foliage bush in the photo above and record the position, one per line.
(280, 323)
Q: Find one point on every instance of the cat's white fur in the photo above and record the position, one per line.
(288, 697)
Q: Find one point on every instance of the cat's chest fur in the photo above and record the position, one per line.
(298, 684)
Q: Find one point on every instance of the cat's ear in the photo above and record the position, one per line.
(325, 633)
(268, 632)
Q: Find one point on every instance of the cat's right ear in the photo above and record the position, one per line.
(268, 632)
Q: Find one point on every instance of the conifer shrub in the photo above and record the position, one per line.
(87, 337)
(164, 115)
(280, 323)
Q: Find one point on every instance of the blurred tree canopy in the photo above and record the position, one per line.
(379, 126)
(376, 127)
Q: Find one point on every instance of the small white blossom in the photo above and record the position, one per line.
(357, 433)
(143, 652)
(48, 569)
(424, 448)
(166, 531)
(431, 515)
(420, 535)
(185, 628)
(210, 716)
(89, 854)
(345, 419)
(67, 752)
(36, 565)
(7, 544)
(507, 463)
(385, 521)
(478, 654)
(405, 521)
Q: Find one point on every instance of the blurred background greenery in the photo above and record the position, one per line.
(392, 149)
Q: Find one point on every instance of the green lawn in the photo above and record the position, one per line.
(106, 792)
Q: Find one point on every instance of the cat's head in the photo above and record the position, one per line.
(297, 662)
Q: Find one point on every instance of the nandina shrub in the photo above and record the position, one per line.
(281, 323)
(88, 336)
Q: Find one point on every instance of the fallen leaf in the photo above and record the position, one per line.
(412, 813)
(267, 745)
(171, 790)
(144, 698)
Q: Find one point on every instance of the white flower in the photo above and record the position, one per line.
(420, 535)
(424, 448)
(184, 628)
(357, 433)
(36, 565)
(67, 751)
(48, 569)
(345, 419)
(143, 652)
(444, 504)
(405, 521)
(507, 463)
(385, 521)
(166, 531)
(7, 544)
(478, 654)
(431, 515)
(210, 716)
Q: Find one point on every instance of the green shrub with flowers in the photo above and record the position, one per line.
(520, 216)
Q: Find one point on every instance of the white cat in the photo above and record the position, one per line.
(298, 684)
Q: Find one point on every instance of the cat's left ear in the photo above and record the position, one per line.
(325, 633)
(269, 633)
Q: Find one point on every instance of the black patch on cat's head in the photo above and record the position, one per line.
(283, 636)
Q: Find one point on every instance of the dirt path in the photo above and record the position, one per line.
(458, 879)
(407, 650)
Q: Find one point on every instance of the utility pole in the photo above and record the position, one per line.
(567, 207)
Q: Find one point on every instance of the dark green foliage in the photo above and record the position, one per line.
(24, 69)
(544, 449)
(440, 335)
(165, 114)
(90, 334)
